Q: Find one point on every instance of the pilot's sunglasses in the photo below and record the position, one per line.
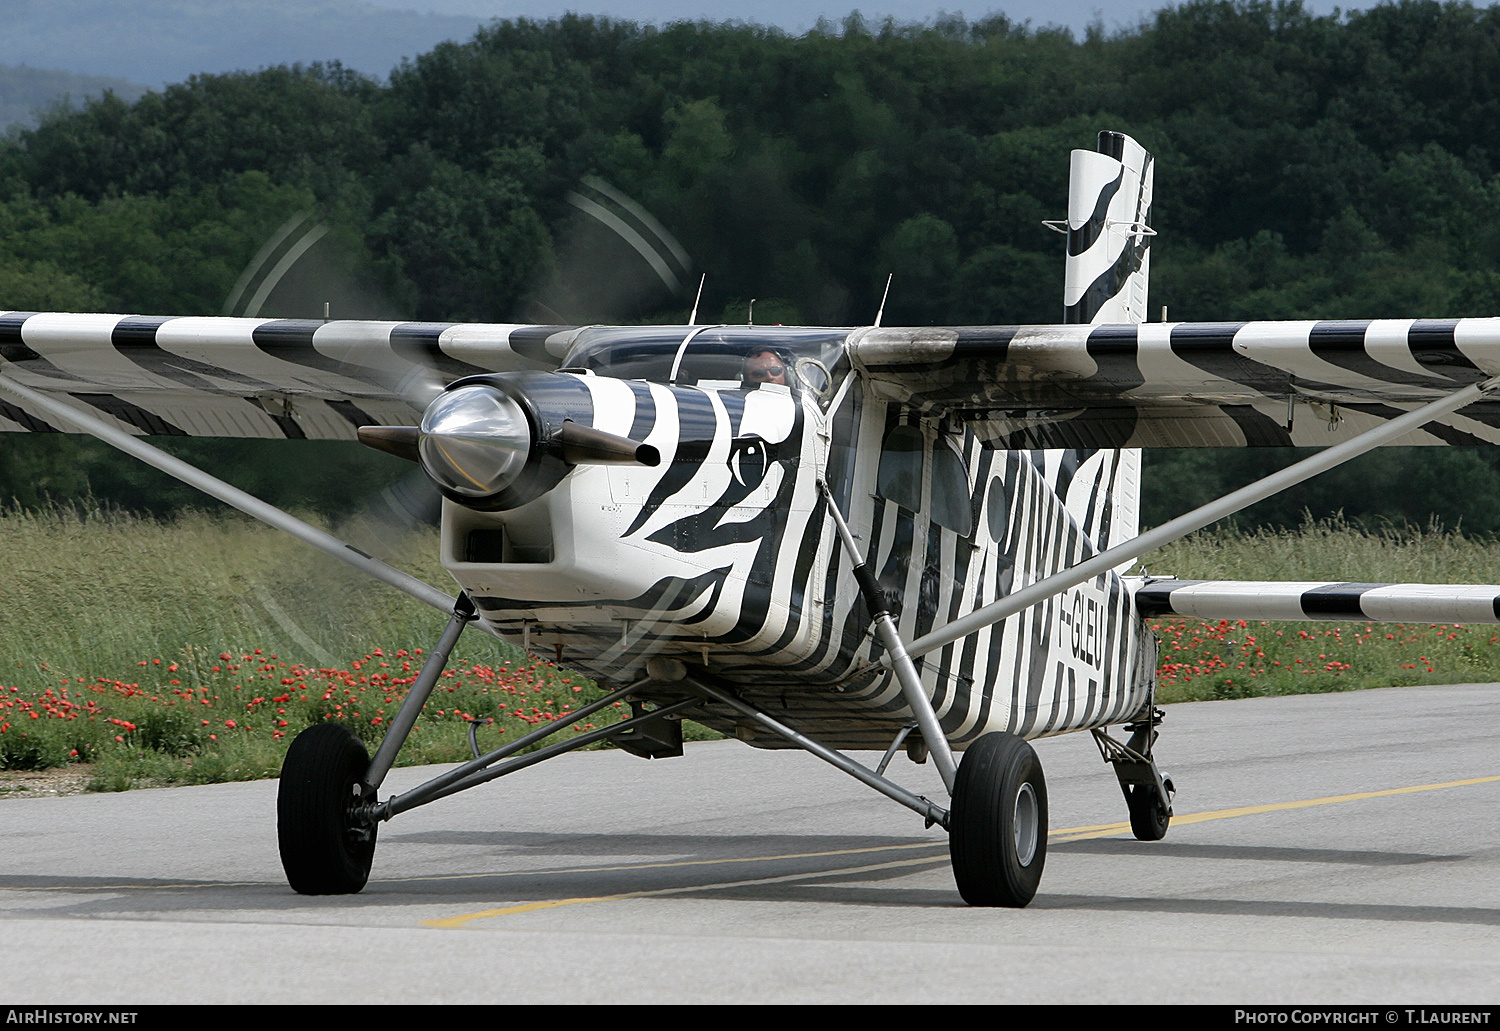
(766, 372)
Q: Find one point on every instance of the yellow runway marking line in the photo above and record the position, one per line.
(1104, 830)
(1111, 829)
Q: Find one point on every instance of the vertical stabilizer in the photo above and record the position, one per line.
(1109, 263)
(1109, 238)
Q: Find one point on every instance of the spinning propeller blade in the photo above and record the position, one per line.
(616, 263)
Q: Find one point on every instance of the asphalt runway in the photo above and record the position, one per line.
(737, 875)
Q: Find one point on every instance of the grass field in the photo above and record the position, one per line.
(1201, 660)
(191, 651)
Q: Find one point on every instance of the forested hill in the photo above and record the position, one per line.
(1306, 165)
(1340, 166)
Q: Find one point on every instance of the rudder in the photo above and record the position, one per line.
(1109, 239)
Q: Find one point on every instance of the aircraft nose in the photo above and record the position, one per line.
(474, 440)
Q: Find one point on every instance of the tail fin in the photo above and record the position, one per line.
(1109, 241)
(1109, 263)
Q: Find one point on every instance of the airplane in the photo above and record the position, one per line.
(833, 539)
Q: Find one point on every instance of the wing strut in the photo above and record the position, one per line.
(231, 495)
(916, 696)
(1197, 519)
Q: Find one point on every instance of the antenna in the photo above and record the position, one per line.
(881, 312)
(693, 318)
(750, 319)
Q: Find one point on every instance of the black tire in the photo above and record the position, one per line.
(997, 828)
(323, 851)
(1149, 817)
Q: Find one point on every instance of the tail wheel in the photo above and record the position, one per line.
(1149, 815)
(324, 849)
(998, 823)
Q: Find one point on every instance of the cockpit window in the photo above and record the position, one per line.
(635, 352)
(709, 360)
(900, 476)
(951, 506)
(713, 357)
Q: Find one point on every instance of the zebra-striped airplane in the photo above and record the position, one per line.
(828, 539)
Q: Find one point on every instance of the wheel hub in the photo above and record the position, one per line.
(1026, 824)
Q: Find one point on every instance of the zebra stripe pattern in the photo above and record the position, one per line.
(1074, 661)
(1256, 384)
(1273, 384)
(1386, 603)
(725, 555)
(1109, 242)
(225, 377)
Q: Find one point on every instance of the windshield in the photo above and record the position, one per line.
(715, 357)
(635, 352)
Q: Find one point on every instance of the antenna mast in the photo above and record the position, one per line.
(693, 318)
(879, 314)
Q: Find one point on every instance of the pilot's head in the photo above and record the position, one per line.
(763, 365)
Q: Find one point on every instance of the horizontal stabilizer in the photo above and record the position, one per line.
(1324, 601)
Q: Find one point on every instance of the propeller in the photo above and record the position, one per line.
(615, 263)
(307, 269)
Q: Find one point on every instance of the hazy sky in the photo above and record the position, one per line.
(167, 41)
(801, 15)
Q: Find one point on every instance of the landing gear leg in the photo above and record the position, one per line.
(998, 824)
(324, 825)
(1148, 790)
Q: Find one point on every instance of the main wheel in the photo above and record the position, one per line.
(1149, 816)
(997, 828)
(324, 850)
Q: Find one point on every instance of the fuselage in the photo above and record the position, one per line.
(724, 555)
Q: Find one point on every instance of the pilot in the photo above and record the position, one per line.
(763, 365)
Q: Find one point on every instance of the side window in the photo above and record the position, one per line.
(998, 517)
(950, 491)
(900, 475)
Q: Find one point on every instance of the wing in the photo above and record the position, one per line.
(1256, 384)
(226, 377)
